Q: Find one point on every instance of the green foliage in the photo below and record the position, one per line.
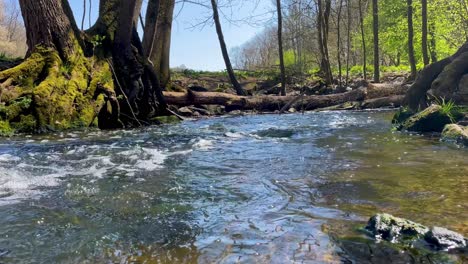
(450, 109)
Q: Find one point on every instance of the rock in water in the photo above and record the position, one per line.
(185, 111)
(394, 229)
(456, 133)
(431, 119)
(397, 230)
(444, 239)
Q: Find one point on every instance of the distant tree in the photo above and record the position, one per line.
(424, 32)
(280, 47)
(375, 14)
(323, 17)
(412, 60)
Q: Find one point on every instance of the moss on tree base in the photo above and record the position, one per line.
(47, 93)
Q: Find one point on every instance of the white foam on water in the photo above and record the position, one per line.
(16, 185)
(234, 135)
(154, 159)
(8, 158)
(203, 144)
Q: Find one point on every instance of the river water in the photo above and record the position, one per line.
(248, 189)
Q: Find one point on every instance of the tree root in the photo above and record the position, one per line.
(45, 93)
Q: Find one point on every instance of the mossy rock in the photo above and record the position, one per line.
(431, 119)
(395, 229)
(455, 133)
(166, 119)
(401, 116)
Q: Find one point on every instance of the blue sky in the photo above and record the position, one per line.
(198, 48)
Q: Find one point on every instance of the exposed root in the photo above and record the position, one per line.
(46, 93)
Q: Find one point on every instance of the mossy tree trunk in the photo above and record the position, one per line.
(441, 78)
(70, 79)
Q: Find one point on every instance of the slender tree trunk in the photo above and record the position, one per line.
(322, 30)
(280, 47)
(84, 14)
(424, 32)
(348, 39)
(363, 38)
(375, 14)
(224, 50)
(433, 48)
(411, 57)
(339, 42)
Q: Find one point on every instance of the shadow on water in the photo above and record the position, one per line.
(263, 189)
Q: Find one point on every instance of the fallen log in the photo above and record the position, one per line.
(373, 96)
(394, 100)
(261, 103)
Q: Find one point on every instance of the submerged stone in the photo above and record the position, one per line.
(394, 229)
(455, 133)
(399, 230)
(444, 239)
(431, 119)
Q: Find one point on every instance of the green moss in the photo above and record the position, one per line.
(455, 133)
(401, 116)
(431, 119)
(5, 129)
(27, 124)
(61, 94)
(166, 119)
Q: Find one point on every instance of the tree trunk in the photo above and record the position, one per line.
(280, 48)
(338, 44)
(375, 13)
(162, 42)
(58, 87)
(348, 38)
(411, 58)
(364, 50)
(151, 20)
(49, 23)
(432, 49)
(424, 32)
(322, 30)
(65, 84)
(442, 76)
(224, 50)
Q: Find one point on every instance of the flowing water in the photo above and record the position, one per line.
(252, 189)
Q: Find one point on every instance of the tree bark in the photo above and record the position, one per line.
(64, 88)
(424, 32)
(338, 44)
(375, 14)
(280, 47)
(363, 39)
(348, 38)
(375, 94)
(224, 50)
(442, 76)
(322, 30)
(411, 57)
(160, 55)
(151, 20)
(49, 23)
